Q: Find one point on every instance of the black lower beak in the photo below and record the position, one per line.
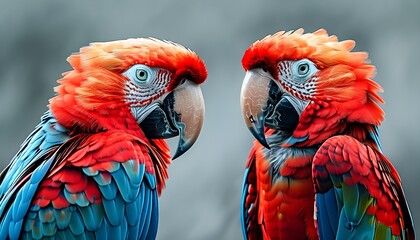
(284, 116)
(157, 124)
(181, 114)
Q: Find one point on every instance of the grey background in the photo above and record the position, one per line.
(201, 200)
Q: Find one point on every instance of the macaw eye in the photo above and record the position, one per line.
(303, 69)
(140, 73)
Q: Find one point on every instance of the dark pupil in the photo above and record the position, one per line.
(141, 74)
(303, 68)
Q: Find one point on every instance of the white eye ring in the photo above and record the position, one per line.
(303, 69)
(140, 74)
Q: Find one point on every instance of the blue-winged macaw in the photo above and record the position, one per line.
(95, 165)
(313, 109)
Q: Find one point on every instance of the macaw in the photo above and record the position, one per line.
(95, 165)
(316, 169)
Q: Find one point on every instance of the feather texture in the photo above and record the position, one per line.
(370, 189)
(333, 152)
(81, 202)
(88, 170)
(277, 197)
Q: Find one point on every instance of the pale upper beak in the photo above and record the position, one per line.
(181, 113)
(188, 109)
(254, 102)
(265, 104)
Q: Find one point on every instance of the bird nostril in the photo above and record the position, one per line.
(251, 119)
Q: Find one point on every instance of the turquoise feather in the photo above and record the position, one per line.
(93, 216)
(123, 185)
(109, 191)
(114, 210)
(63, 217)
(77, 226)
(134, 171)
(127, 207)
(101, 179)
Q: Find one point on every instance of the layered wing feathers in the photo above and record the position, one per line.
(249, 201)
(93, 185)
(367, 188)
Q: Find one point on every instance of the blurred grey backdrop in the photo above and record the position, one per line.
(202, 197)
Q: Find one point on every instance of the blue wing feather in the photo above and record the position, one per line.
(147, 216)
(109, 191)
(249, 200)
(129, 198)
(151, 179)
(374, 134)
(243, 215)
(33, 149)
(89, 217)
(62, 216)
(77, 225)
(114, 210)
(343, 167)
(144, 212)
(133, 213)
(123, 185)
(153, 222)
(18, 209)
(327, 214)
(47, 136)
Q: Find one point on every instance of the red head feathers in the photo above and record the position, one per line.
(95, 87)
(341, 91)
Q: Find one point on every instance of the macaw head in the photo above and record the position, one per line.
(310, 86)
(146, 83)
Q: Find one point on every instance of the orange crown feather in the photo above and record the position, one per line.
(319, 47)
(344, 89)
(96, 85)
(119, 55)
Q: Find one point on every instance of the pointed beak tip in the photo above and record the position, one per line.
(266, 145)
(183, 147)
(189, 110)
(176, 155)
(260, 137)
(256, 103)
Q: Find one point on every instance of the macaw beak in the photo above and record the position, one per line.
(181, 113)
(187, 114)
(257, 102)
(265, 104)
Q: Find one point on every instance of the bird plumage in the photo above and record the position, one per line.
(89, 169)
(314, 110)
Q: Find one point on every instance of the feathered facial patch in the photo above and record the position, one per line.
(145, 84)
(298, 77)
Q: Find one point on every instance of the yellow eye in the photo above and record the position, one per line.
(142, 75)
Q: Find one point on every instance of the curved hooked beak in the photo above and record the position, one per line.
(264, 104)
(181, 113)
(188, 115)
(256, 102)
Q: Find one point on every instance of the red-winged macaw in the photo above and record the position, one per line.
(311, 104)
(95, 165)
